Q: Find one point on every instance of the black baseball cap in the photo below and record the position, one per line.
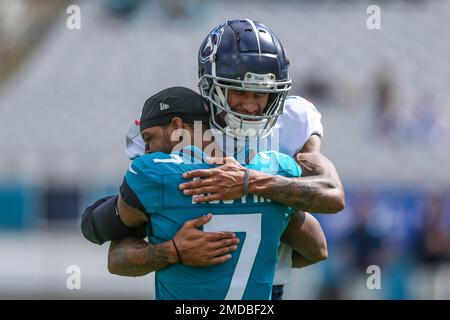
(181, 102)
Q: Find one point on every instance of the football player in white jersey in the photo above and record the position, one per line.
(243, 71)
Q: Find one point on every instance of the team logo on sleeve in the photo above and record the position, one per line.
(213, 41)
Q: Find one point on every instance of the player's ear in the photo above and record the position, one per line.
(176, 123)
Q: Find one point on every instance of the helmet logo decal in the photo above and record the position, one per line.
(213, 42)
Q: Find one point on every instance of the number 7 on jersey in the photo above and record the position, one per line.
(251, 225)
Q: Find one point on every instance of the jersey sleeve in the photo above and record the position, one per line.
(276, 163)
(140, 187)
(300, 120)
(288, 166)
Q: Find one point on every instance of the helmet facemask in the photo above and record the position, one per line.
(238, 125)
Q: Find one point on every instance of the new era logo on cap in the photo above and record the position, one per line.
(163, 106)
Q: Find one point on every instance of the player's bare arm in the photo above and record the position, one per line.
(135, 257)
(305, 236)
(318, 190)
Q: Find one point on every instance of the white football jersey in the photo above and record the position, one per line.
(300, 120)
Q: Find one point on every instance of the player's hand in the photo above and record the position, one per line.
(199, 248)
(221, 183)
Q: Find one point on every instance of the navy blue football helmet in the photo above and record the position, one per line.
(247, 56)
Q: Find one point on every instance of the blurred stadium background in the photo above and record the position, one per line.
(67, 98)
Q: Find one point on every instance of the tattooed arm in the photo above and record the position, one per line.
(318, 190)
(135, 257)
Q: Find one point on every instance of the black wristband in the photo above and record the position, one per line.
(246, 179)
(178, 252)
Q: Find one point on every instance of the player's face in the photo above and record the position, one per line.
(246, 102)
(156, 140)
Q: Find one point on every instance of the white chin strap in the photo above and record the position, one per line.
(250, 129)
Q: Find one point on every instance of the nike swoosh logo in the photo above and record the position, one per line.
(131, 169)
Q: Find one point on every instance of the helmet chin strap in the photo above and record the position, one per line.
(249, 128)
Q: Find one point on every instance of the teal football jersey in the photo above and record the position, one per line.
(258, 222)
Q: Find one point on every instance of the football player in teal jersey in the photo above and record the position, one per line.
(150, 193)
